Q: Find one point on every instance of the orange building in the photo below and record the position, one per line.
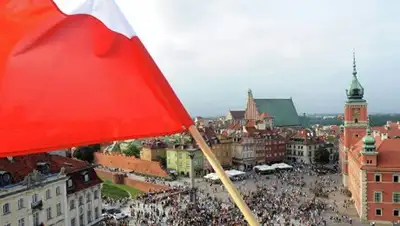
(370, 163)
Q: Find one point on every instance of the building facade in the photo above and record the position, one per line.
(257, 144)
(153, 150)
(178, 159)
(221, 147)
(236, 117)
(277, 112)
(303, 146)
(34, 191)
(370, 162)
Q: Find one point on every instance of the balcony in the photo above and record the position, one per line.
(37, 205)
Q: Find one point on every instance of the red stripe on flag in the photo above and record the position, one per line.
(56, 92)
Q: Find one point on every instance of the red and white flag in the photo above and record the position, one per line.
(73, 72)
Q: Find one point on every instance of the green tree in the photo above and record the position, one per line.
(321, 155)
(163, 161)
(86, 153)
(132, 150)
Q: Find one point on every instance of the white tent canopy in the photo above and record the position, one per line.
(230, 173)
(264, 168)
(234, 173)
(282, 166)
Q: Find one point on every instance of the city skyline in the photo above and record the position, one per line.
(213, 53)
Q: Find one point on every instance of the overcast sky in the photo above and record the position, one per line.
(213, 51)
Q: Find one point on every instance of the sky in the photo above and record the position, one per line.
(213, 51)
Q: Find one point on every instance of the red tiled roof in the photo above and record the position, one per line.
(154, 144)
(21, 166)
(388, 152)
(265, 115)
(237, 115)
(235, 126)
(250, 124)
(392, 129)
(388, 156)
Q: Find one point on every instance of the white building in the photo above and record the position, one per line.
(84, 198)
(303, 146)
(34, 192)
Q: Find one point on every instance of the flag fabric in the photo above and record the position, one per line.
(73, 72)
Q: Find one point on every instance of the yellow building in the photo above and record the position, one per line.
(152, 153)
(223, 151)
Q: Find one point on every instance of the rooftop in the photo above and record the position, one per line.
(19, 167)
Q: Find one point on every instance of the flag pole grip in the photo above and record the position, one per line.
(234, 193)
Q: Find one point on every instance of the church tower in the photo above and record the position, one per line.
(355, 119)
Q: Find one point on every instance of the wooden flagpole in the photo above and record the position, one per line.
(249, 216)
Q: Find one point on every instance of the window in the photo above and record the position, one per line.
(96, 194)
(6, 208)
(21, 222)
(58, 209)
(378, 212)
(396, 197)
(378, 196)
(35, 198)
(71, 204)
(96, 212)
(89, 215)
(88, 198)
(86, 177)
(36, 219)
(73, 222)
(48, 213)
(81, 201)
(69, 183)
(396, 178)
(81, 220)
(9, 224)
(396, 212)
(20, 203)
(58, 191)
(48, 194)
(377, 178)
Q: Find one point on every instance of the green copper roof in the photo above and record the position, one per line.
(369, 140)
(356, 91)
(283, 111)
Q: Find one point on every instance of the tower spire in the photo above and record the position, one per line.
(354, 63)
(250, 93)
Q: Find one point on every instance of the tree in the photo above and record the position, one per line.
(321, 155)
(86, 153)
(132, 150)
(163, 161)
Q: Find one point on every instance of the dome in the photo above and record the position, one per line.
(369, 140)
(356, 91)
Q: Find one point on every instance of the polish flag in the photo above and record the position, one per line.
(73, 72)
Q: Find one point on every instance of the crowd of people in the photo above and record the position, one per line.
(279, 200)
